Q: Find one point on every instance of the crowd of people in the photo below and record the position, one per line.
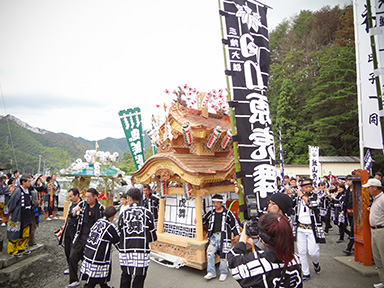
(312, 211)
(301, 211)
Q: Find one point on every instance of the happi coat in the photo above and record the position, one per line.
(97, 252)
(229, 225)
(83, 204)
(67, 225)
(262, 268)
(317, 228)
(152, 204)
(20, 200)
(137, 230)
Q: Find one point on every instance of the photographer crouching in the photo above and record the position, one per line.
(274, 266)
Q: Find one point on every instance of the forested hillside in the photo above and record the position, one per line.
(56, 150)
(312, 93)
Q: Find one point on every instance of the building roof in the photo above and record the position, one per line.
(339, 159)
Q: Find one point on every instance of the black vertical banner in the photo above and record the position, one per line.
(247, 53)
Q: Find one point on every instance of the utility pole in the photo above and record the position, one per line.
(38, 170)
(10, 170)
(45, 173)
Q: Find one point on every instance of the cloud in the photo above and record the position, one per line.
(41, 101)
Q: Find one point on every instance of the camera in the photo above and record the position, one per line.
(251, 228)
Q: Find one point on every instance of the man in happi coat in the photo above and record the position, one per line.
(96, 266)
(307, 227)
(221, 225)
(89, 212)
(70, 225)
(151, 201)
(20, 211)
(137, 230)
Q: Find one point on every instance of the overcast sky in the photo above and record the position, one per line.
(70, 65)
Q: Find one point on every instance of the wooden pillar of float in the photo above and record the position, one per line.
(199, 218)
(160, 223)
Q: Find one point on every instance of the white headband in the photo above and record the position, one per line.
(218, 200)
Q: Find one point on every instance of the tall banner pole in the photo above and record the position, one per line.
(369, 119)
(246, 54)
(377, 48)
(374, 53)
(233, 123)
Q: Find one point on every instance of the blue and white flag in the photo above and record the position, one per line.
(368, 161)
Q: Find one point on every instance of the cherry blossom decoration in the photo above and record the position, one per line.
(187, 96)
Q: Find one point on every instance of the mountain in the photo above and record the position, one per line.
(119, 145)
(57, 150)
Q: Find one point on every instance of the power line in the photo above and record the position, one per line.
(9, 129)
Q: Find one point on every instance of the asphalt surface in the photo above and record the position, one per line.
(333, 273)
(49, 273)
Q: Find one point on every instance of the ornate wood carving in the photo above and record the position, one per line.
(164, 174)
(182, 252)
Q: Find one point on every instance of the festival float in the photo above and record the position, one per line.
(98, 165)
(194, 160)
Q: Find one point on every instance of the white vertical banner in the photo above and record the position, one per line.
(369, 119)
(378, 32)
(314, 164)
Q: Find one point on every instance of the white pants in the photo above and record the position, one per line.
(306, 242)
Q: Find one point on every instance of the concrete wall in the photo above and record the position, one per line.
(337, 169)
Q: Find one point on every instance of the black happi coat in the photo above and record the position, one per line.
(229, 225)
(317, 228)
(338, 203)
(152, 204)
(262, 268)
(71, 220)
(97, 252)
(137, 230)
(84, 206)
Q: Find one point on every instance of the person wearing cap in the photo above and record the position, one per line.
(307, 227)
(376, 221)
(89, 212)
(221, 224)
(280, 203)
(96, 266)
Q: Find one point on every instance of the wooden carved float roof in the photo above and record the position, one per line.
(196, 169)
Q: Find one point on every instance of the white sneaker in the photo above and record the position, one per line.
(378, 285)
(222, 277)
(209, 276)
(3, 224)
(55, 218)
(66, 271)
(73, 284)
(48, 219)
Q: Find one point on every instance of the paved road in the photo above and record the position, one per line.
(333, 274)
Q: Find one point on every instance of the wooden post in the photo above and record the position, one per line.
(199, 218)
(160, 220)
(362, 230)
(204, 111)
